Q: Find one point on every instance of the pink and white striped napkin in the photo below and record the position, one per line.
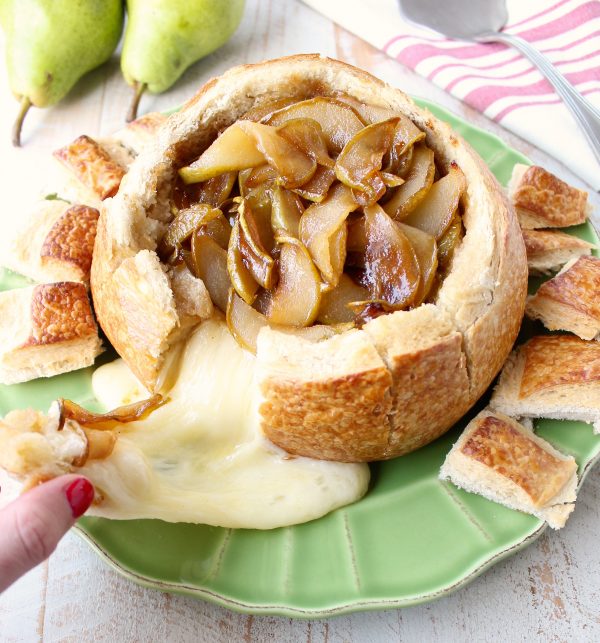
(493, 78)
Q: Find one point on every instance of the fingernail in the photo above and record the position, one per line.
(80, 494)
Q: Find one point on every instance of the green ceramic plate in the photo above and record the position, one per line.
(411, 539)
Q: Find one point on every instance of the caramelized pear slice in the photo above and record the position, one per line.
(434, 213)
(69, 410)
(334, 303)
(254, 254)
(262, 112)
(357, 235)
(233, 150)
(391, 265)
(418, 181)
(339, 122)
(218, 229)
(318, 228)
(241, 277)
(405, 137)
(400, 164)
(306, 134)
(407, 133)
(425, 249)
(210, 265)
(184, 224)
(244, 322)
(449, 241)
(368, 113)
(316, 189)
(286, 210)
(216, 191)
(361, 158)
(259, 175)
(337, 254)
(296, 299)
(293, 166)
(391, 180)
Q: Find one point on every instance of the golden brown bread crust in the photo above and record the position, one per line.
(570, 300)
(558, 360)
(418, 378)
(60, 312)
(341, 378)
(483, 295)
(92, 165)
(508, 463)
(549, 250)
(356, 407)
(539, 242)
(496, 443)
(71, 239)
(46, 329)
(544, 201)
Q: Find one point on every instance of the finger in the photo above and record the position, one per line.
(32, 525)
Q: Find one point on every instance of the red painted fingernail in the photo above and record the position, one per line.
(80, 494)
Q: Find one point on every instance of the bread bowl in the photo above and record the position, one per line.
(410, 374)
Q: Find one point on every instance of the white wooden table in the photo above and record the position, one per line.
(550, 591)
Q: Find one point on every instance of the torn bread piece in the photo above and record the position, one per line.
(570, 301)
(551, 376)
(45, 330)
(549, 250)
(93, 166)
(542, 200)
(326, 399)
(499, 459)
(132, 138)
(55, 243)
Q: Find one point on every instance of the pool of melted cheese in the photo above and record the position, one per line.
(202, 458)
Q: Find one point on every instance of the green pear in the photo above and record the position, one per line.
(50, 44)
(164, 37)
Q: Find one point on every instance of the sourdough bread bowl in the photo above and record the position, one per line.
(385, 387)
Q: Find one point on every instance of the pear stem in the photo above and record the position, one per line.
(139, 89)
(18, 124)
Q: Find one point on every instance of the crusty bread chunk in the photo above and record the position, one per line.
(549, 250)
(92, 165)
(570, 301)
(45, 330)
(551, 376)
(55, 243)
(498, 458)
(341, 378)
(542, 200)
(424, 354)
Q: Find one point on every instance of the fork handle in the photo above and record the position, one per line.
(586, 115)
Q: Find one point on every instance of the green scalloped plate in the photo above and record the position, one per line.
(411, 539)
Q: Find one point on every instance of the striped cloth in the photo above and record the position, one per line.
(493, 78)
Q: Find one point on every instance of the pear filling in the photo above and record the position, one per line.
(325, 211)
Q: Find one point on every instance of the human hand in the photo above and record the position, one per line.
(32, 525)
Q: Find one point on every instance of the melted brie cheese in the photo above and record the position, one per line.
(202, 458)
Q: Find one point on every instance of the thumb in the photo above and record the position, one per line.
(32, 525)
